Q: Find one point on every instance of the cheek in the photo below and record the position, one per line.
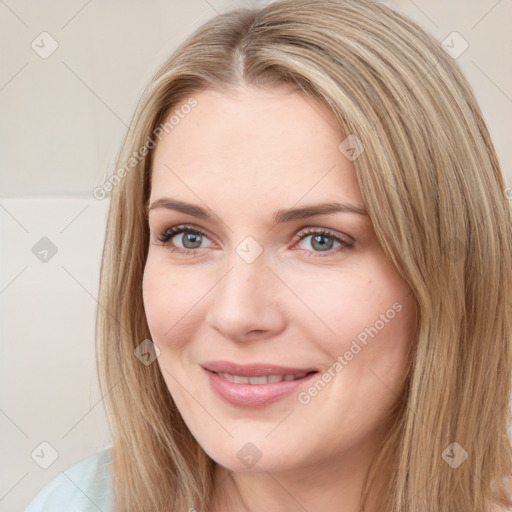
(155, 301)
(168, 307)
(342, 305)
(167, 299)
(367, 318)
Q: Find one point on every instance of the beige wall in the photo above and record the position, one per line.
(62, 119)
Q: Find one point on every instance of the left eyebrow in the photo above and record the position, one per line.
(280, 216)
(314, 210)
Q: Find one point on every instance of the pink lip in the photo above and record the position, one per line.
(253, 395)
(253, 370)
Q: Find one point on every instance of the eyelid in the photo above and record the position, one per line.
(167, 234)
(180, 229)
(305, 232)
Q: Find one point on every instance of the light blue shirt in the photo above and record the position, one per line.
(84, 487)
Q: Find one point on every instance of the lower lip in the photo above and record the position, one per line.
(254, 395)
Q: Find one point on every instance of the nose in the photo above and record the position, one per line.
(246, 301)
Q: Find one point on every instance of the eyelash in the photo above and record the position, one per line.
(165, 237)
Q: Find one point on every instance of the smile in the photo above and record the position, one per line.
(266, 379)
(256, 385)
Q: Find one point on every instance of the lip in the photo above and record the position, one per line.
(254, 369)
(254, 396)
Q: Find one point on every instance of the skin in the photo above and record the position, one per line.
(243, 157)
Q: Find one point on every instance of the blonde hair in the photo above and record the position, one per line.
(433, 188)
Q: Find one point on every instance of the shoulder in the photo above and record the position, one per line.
(82, 487)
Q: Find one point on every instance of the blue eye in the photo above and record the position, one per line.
(322, 240)
(191, 236)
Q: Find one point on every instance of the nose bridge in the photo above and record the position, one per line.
(247, 279)
(244, 298)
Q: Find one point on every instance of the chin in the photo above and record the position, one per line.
(254, 457)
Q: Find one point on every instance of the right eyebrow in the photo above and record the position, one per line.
(180, 206)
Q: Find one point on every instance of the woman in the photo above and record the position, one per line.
(306, 279)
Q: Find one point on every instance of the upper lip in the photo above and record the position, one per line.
(253, 369)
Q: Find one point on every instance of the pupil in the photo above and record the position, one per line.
(191, 237)
(321, 246)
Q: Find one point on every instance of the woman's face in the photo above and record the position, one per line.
(248, 299)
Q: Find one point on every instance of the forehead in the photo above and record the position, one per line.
(273, 144)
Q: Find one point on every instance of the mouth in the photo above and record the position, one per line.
(255, 385)
(264, 379)
(257, 370)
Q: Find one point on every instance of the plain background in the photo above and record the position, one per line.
(62, 120)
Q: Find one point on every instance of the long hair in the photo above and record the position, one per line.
(432, 185)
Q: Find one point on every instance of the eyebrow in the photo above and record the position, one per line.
(280, 216)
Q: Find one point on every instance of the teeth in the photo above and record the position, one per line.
(237, 379)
